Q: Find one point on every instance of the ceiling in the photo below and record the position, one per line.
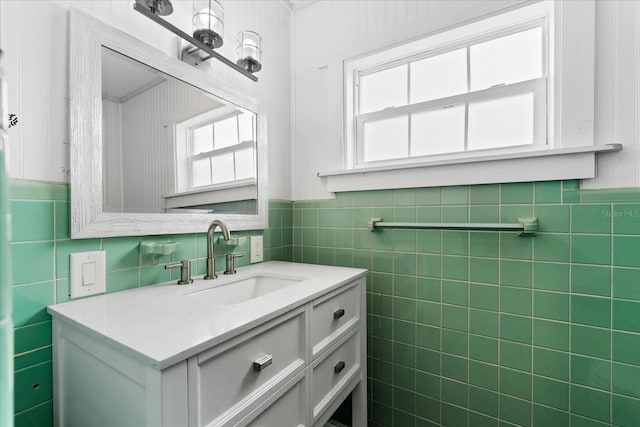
(139, 77)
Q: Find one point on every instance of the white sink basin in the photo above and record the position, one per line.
(247, 288)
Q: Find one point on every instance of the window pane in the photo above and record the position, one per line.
(244, 164)
(202, 139)
(201, 172)
(386, 139)
(225, 132)
(439, 76)
(501, 122)
(510, 59)
(222, 168)
(387, 88)
(245, 125)
(437, 131)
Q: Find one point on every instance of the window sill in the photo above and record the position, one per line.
(222, 193)
(543, 165)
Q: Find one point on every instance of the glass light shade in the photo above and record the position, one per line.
(249, 51)
(208, 22)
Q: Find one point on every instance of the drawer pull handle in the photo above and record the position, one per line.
(338, 313)
(339, 367)
(263, 362)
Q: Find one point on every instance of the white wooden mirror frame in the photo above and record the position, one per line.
(87, 35)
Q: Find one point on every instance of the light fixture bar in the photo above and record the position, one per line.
(198, 44)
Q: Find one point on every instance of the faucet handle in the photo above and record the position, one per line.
(185, 271)
(230, 263)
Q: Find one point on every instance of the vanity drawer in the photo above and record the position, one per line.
(285, 408)
(333, 315)
(227, 379)
(333, 372)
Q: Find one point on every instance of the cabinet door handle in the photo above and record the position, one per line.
(339, 367)
(338, 313)
(263, 362)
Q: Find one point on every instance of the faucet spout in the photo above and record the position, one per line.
(211, 268)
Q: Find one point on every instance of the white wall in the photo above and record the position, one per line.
(618, 92)
(36, 66)
(351, 28)
(325, 33)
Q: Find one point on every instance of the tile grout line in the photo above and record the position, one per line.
(611, 328)
(533, 308)
(569, 370)
(499, 311)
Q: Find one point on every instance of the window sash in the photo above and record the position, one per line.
(213, 153)
(232, 149)
(536, 86)
(539, 15)
(224, 150)
(466, 42)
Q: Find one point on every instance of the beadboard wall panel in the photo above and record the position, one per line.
(354, 28)
(618, 92)
(36, 67)
(112, 158)
(351, 28)
(147, 124)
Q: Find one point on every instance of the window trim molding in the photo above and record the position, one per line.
(537, 165)
(244, 189)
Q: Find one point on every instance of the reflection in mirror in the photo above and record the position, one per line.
(170, 147)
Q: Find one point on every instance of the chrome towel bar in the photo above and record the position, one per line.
(526, 226)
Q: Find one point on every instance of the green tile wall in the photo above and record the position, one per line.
(40, 262)
(488, 328)
(464, 328)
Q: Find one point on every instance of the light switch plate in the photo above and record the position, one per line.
(88, 273)
(257, 249)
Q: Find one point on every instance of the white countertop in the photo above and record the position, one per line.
(161, 325)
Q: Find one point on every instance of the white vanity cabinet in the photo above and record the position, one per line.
(293, 358)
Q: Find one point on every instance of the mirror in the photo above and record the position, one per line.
(157, 146)
(170, 147)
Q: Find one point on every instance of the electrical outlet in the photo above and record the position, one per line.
(257, 249)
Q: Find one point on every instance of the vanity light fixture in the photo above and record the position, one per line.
(158, 7)
(249, 51)
(208, 22)
(208, 28)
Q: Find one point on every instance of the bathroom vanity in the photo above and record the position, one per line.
(278, 344)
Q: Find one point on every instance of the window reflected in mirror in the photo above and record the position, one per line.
(169, 146)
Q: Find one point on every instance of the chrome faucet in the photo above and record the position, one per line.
(211, 265)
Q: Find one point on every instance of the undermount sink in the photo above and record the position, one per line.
(247, 288)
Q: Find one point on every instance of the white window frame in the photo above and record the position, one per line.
(192, 157)
(185, 155)
(537, 15)
(570, 152)
(187, 195)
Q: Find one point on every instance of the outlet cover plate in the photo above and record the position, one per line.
(257, 249)
(88, 273)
